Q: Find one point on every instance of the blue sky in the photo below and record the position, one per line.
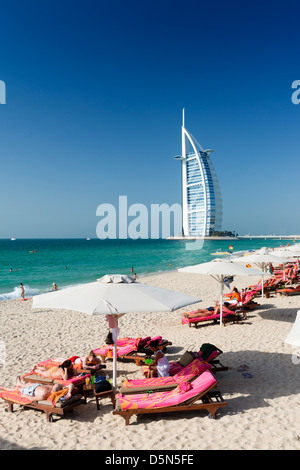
(94, 98)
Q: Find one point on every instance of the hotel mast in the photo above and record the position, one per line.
(202, 208)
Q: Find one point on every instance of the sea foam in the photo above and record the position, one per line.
(16, 293)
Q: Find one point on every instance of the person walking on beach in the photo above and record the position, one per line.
(22, 290)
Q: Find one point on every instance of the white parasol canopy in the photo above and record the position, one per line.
(218, 269)
(114, 295)
(287, 253)
(293, 337)
(261, 259)
(295, 247)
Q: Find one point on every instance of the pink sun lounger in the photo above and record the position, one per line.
(227, 315)
(14, 397)
(185, 397)
(129, 348)
(34, 377)
(186, 374)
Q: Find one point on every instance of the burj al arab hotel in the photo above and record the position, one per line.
(202, 208)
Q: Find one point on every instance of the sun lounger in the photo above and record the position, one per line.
(33, 376)
(60, 408)
(247, 303)
(191, 396)
(131, 349)
(227, 316)
(207, 352)
(186, 374)
(289, 291)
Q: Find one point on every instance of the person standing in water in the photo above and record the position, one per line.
(22, 290)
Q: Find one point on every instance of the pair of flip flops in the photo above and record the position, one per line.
(243, 368)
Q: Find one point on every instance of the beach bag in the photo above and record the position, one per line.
(102, 386)
(109, 338)
(187, 358)
(207, 349)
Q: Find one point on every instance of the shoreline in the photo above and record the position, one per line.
(166, 261)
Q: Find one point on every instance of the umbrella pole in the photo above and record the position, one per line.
(115, 365)
(221, 300)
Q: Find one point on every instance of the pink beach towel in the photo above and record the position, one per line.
(171, 398)
(196, 367)
(14, 396)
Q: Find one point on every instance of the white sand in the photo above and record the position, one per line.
(262, 412)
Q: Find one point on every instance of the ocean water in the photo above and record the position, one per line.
(39, 263)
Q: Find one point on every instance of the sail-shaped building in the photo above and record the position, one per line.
(202, 208)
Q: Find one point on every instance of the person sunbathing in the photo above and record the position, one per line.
(62, 372)
(91, 362)
(203, 312)
(37, 391)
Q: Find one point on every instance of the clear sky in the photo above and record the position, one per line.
(94, 98)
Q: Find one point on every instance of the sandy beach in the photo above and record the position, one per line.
(262, 412)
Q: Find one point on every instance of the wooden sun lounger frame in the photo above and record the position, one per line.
(225, 319)
(289, 293)
(211, 401)
(49, 409)
(34, 378)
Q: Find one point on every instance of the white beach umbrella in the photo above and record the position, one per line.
(295, 247)
(290, 254)
(114, 296)
(293, 337)
(261, 259)
(218, 269)
(287, 253)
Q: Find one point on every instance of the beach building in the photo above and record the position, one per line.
(202, 208)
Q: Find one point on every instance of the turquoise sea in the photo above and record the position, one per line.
(41, 262)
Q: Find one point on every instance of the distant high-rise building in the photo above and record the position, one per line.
(202, 208)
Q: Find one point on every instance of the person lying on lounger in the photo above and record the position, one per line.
(203, 312)
(62, 372)
(37, 392)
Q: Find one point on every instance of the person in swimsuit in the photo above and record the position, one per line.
(38, 392)
(161, 365)
(22, 290)
(91, 362)
(62, 372)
